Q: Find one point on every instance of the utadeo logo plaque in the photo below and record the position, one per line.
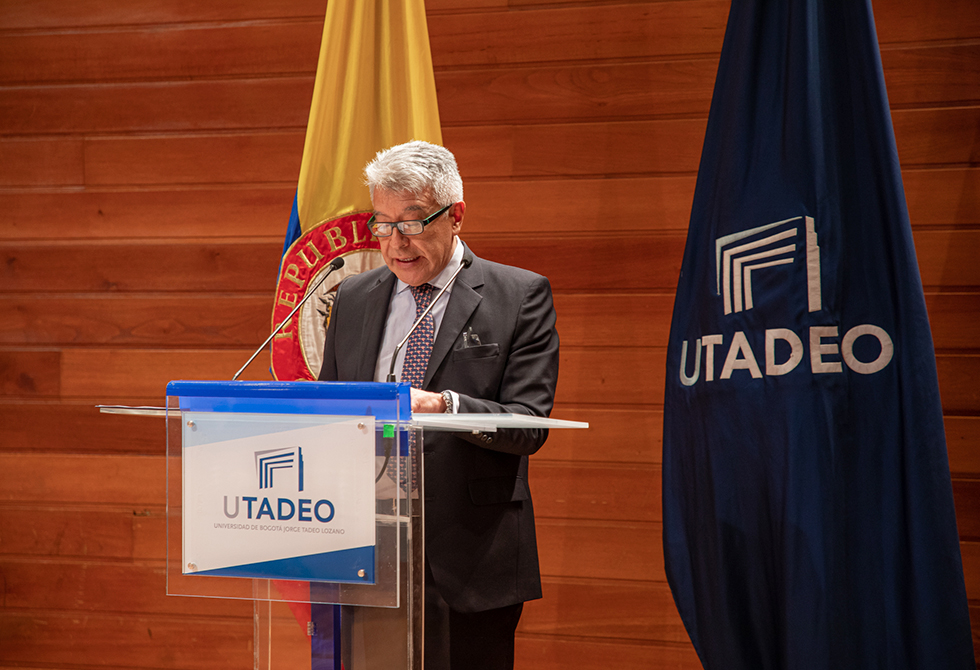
(254, 507)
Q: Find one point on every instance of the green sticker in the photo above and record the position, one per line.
(388, 430)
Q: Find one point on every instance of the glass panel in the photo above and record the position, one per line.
(277, 437)
(246, 456)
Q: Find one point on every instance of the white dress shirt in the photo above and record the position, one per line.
(401, 315)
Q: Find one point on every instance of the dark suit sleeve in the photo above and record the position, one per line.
(530, 375)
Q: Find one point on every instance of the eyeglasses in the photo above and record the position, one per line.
(385, 228)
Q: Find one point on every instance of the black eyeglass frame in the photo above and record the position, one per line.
(400, 225)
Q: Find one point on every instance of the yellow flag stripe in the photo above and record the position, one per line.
(374, 89)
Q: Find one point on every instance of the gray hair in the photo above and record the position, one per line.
(416, 167)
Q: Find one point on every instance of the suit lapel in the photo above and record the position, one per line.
(463, 301)
(375, 307)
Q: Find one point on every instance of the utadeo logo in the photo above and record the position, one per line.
(268, 461)
(738, 258)
(740, 254)
(282, 507)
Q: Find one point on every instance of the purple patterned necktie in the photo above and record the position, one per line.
(417, 352)
(419, 346)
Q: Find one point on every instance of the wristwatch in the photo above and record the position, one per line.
(448, 397)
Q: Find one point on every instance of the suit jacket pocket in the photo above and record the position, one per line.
(481, 351)
(498, 490)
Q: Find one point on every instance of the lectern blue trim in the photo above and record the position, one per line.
(346, 398)
(336, 566)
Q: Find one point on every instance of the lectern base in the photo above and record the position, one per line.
(296, 635)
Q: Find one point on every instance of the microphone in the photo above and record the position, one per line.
(335, 264)
(465, 263)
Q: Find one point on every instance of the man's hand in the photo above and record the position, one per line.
(426, 401)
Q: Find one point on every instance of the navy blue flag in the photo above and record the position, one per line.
(808, 510)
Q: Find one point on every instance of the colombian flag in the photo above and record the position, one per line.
(374, 89)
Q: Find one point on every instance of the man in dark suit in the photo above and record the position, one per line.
(491, 347)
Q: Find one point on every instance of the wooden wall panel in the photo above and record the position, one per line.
(962, 438)
(670, 146)
(591, 375)
(289, 46)
(146, 180)
(945, 136)
(583, 92)
(614, 319)
(943, 73)
(935, 198)
(603, 492)
(165, 319)
(628, 435)
(204, 159)
(954, 319)
(216, 104)
(568, 492)
(606, 609)
(602, 375)
(944, 258)
(58, 426)
(912, 21)
(957, 383)
(158, 265)
(19, 14)
(190, 643)
(895, 20)
(605, 376)
(623, 148)
(238, 319)
(626, 148)
(100, 373)
(93, 586)
(682, 85)
(103, 480)
(41, 162)
(966, 492)
(617, 31)
(560, 653)
(942, 196)
(624, 204)
(576, 91)
(249, 211)
(587, 549)
(83, 531)
(971, 568)
(659, 147)
(161, 52)
(635, 435)
(613, 262)
(30, 374)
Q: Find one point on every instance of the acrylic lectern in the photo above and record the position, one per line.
(304, 497)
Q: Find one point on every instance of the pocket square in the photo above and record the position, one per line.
(482, 351)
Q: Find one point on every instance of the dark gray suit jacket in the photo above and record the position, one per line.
(479, 520)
